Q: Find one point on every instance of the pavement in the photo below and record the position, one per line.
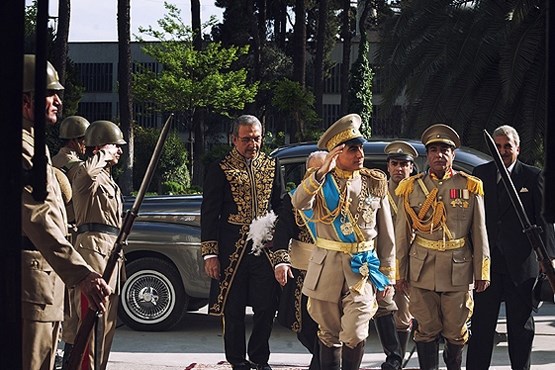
(198, 340)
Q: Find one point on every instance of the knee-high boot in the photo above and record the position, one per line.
(404, 337)
(452, 355)
(330, 357)
(352, 357)
(428, 355)
(387, 332)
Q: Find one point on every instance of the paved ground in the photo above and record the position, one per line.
(198, 340)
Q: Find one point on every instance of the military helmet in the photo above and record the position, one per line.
(103, 132)
(52, 79)
(73, 127)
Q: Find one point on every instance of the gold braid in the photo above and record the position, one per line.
(437, 218)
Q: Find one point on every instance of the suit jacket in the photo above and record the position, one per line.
(512, 252)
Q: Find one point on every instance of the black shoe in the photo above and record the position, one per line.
(263, 367)
(391, 364)
(242, 366)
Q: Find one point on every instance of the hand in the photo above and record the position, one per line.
(96, 291)
(481, 285)
(282, 272)
(329, 162)
(212, 267)
(389, 289)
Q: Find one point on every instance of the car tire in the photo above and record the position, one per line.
(153, 297)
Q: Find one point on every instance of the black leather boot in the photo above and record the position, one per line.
(330, 357)
(352, 357)
(404, 338)
(67, 350)
(452, 355)
(428, 355)
(385, 326)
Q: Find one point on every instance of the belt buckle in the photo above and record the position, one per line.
(442, 245)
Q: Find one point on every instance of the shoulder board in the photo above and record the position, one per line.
(377, 179)
(473, 184)
(406, 186)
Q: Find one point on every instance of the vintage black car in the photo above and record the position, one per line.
(164, 265)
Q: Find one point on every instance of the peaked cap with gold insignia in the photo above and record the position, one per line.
(345, 129)
(401, 151)
(441, 133)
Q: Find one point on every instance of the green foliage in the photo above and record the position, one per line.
(474, 67)
(297, 103)
(360, 87)
(171, 174)
(217, 152)
(190, 78)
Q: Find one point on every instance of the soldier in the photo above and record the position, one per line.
(442, 248)
(292, 244)
(246, 184)
(393, 320)
(46, 254)
(72, 133)
(98, 205)
(353, 221)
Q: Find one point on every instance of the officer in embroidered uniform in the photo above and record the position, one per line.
(394, 321)
(245, 185)
(98, 205)
(72, 133)
(47, 257)
(353, 222)
(292, 245)
(442, 248)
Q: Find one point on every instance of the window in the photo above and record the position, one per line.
(95, 111)
(95, 77)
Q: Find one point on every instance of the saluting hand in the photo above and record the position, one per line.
(96, 291)
(329, 162)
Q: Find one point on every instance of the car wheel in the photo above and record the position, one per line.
(153, 297)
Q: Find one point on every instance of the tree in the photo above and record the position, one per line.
(474, 66)
(346, 36)
(360, 83)
(299, 43)
(291, 98)
(319, 55)
(191, 79)
(59, 55)
(124, 92)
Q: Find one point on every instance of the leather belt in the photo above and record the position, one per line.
(440, 245)
(27, 244)
(336, 246)
(99, 228)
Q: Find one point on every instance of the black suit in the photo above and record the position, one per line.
(514, 267)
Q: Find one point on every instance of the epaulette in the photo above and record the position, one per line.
(473, 184)
(406, 186)
(378, 181)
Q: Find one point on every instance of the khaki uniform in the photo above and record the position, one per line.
(403, 318)
(68, 161)
(98, 202)
(343, 315)
(46, 257)
(441, 266)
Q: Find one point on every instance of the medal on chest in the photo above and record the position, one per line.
(346, 228)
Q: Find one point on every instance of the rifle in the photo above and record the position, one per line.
(533, 232)
(84, 332)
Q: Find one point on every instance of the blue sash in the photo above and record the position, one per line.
(330, 190)
(370, 259)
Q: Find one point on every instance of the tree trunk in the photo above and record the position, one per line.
(346, 59)
(280, 23)
(299, 43)
(196, 167)
(319, 57)
(124, 91)
(59, 55)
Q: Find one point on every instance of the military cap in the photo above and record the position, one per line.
(440, 133)
(345, 129)
(400, 150)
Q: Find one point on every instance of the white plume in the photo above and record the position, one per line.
(261, 231)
